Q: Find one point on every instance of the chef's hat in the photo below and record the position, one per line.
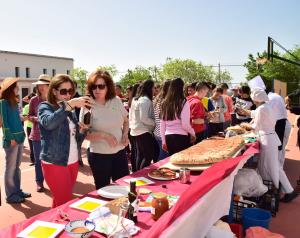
(259, 95)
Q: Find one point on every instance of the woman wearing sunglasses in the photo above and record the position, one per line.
(61, 137)
(108, 133)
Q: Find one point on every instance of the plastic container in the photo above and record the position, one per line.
(255, 217)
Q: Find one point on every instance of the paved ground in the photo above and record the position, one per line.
(283, 223)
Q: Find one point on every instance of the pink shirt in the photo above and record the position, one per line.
(178, 126)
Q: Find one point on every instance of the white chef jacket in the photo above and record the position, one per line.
(264, 126)
(278, 106)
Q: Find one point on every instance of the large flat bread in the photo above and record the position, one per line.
(209, 151)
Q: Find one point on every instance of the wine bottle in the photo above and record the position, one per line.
(133, 202)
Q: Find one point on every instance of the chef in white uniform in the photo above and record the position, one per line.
(283, 126)
(264, 125)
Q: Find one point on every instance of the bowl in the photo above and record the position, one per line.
(80, 228)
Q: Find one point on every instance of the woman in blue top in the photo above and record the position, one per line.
(13, 138)
(61, 137)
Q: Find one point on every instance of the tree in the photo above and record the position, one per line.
(188, 69)
(223, 77)
(138, 74)
(112, 69)
(80, 76)
(275, 69)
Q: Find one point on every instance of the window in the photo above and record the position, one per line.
(27, 72)
(24, 92)
(17, 71)
(44, 71)
(68, 72)
(53, 72)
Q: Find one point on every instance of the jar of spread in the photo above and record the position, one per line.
(160, 205)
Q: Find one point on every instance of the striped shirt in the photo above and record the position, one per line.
(156, 108)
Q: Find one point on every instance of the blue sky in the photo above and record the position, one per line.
(139, 32)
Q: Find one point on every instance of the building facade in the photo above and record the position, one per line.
(28, 67)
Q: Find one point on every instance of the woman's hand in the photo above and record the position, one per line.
(125, 140)
(164, 147)
(83, 127)
(193, 139)
(84, 101)
(110, 139)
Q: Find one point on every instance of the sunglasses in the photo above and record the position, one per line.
(65, 91)
(99, 86)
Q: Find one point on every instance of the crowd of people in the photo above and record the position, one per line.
(129, 132)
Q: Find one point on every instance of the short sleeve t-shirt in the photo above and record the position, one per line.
(108, 118)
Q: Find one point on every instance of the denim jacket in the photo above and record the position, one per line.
(55, 133)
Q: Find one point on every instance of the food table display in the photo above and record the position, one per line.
(201, 202)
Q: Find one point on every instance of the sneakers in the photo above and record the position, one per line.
(15, 199)
(25, 195)
(40, 188)
(288, 197)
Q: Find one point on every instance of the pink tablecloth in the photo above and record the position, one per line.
(189, 193)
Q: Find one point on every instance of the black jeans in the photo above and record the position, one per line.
(146, 149)
(177, 143)
(279, 129)
(28, 131)
(107, 166)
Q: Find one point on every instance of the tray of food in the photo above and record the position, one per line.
(163, 174)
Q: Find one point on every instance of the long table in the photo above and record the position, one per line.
(201, 203)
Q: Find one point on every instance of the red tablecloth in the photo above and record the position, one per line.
(189, 193)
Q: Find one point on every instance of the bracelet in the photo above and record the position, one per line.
(69, 106)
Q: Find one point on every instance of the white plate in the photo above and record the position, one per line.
(140, 181)
(162, 178)
(106, 225)
(113, 191)
(40, 227)
(88, 204)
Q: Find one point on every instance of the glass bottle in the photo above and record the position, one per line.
(133, 202)
(160, 205)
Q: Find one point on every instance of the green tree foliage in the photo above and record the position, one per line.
(275, 69)
(80, 76)
(223, 77)
(188, 69)
(112, 69)
(138, 74)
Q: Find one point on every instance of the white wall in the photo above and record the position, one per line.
(9, 61)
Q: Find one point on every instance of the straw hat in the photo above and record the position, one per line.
(7, 82)
(43, 79)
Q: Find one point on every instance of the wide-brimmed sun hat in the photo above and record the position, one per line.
(43, 79)
(7, 82)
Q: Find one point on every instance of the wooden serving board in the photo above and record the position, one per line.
(193, 167)
(196, 167)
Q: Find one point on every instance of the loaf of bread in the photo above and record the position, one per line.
(209, 151)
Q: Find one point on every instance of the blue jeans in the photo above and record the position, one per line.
(12, 175)
(162, 153)
(39, 178)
